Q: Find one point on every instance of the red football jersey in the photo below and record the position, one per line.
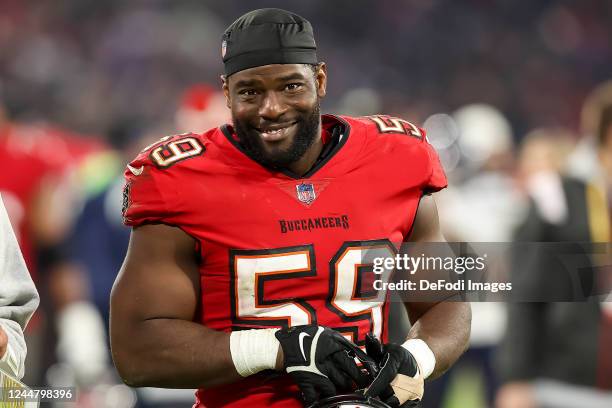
(280, 250)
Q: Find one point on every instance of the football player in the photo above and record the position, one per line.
(243, 269)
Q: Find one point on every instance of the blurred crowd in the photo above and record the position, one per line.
(91, 65)
(510, 94)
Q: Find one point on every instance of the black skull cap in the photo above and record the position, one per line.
(267, 36)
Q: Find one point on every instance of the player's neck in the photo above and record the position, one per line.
(309, 158)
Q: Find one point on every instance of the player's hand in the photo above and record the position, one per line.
(399, 382)
(3, 342)
(321, 361)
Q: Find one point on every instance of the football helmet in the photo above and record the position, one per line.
(349, 401)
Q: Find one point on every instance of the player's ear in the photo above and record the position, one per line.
(321, 79)
(225, 88)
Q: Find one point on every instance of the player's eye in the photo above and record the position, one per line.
(247, 92)
(293, 86)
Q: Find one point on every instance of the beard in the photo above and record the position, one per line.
(307, 129)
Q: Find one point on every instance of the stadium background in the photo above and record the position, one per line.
(84, 84)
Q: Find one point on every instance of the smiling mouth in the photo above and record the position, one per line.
(276, 133)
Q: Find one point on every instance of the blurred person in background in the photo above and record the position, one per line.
(30, 191)
(18, 300)
(41, 194)
(583, 162)
(557, 354)
(201, 107)
(484, 204)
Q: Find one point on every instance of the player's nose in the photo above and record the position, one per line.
(272, 106)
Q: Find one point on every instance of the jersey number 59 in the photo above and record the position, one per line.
(251, 270)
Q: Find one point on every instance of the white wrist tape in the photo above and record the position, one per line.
(423, 355)
(254, 350)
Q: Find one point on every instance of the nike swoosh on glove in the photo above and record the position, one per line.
(321, 361)
(399, 382)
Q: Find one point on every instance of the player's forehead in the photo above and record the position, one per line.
(272, 73)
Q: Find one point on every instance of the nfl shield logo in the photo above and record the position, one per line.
(223, 48)
(306, 193)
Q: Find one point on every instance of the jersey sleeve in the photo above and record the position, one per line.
(436, 179)
(149, 194)
(405, 147)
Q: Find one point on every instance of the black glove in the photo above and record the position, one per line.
(399, 382)
(321, 361)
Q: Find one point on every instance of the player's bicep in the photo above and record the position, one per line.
(159, 277)
(426, 225)
(426, 228)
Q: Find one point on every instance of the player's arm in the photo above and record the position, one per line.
(443, 326)
(439, 333)
(154, 340)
